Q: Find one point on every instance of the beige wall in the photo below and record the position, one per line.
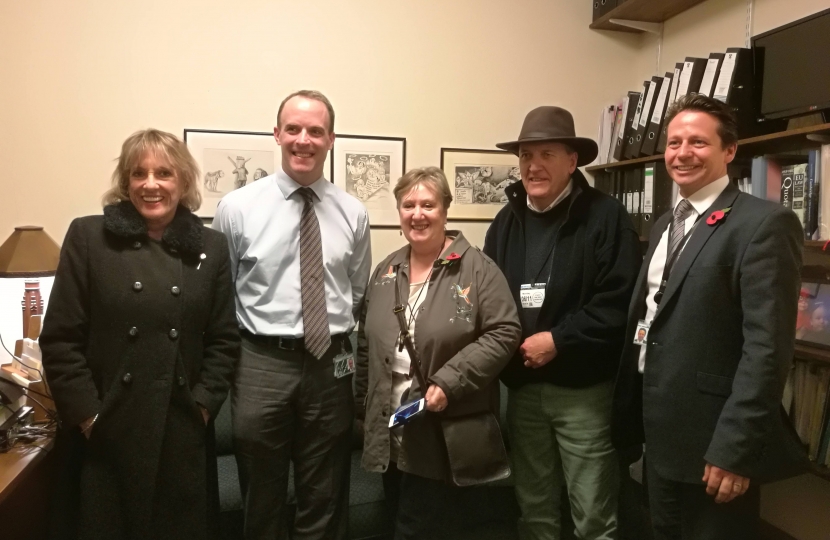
(79, 77)
(798, 506)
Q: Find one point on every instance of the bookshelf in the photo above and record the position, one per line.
(654, 11)
(773, 143)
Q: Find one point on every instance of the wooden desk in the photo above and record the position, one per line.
(25, 473)
(18, 463)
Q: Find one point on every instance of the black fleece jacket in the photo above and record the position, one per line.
(595, 265)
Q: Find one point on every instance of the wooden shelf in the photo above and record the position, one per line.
(813, 354)
(655, 11)
(782, 141)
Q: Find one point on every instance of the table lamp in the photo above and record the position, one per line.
(29, 253)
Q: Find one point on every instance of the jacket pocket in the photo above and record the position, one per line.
(714, 384)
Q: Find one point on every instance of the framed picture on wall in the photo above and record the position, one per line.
(477, 180)
(230, 160)
(368, 167)
(811, 326)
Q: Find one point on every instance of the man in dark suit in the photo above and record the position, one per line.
(717, 296)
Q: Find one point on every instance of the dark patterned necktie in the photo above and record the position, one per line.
(312, 288)
(678, 226)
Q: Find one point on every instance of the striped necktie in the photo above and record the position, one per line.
(317, 337)
(677, 232)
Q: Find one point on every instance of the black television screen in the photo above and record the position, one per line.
(793, 67)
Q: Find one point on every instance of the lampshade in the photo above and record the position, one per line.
(29, 252)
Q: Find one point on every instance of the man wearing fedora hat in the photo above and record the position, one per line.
(571, 256)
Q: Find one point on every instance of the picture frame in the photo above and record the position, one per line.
(368, 167)
(812, 325)
(477, 179)
(218, 152)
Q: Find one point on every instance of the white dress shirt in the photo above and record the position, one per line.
(560, 198)
(701, 200)
(262, 223)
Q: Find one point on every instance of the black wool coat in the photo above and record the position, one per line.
(139, 333)
(595, 260)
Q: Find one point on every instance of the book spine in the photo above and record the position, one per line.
(787, 186)
(799, 175)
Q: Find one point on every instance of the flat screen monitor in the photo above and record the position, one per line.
(792, 67)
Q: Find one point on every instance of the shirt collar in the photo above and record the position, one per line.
(559, 199)
(705, 197)
(288, 185)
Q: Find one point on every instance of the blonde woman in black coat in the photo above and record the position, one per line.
(139, 344)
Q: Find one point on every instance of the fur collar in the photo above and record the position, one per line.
(184, 233)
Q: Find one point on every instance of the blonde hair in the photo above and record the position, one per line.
(431, 177)
(162, 145)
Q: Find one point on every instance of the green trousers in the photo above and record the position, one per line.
(562, 436)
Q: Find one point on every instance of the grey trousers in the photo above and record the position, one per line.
(288, 406)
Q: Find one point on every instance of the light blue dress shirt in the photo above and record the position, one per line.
(262, 224)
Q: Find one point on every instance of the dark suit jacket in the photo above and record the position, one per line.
(719, 349)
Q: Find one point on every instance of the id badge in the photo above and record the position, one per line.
(532, 295)
(641, 333)
(344, 364)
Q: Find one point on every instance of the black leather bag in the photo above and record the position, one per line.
(474, 443)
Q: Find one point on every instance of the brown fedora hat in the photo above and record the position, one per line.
(553, 124)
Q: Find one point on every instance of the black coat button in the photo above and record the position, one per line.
(175, 290)
(174, 334)
(385, 411)
(133, 331)
(386, 360)
(137, 286)
(127, 378)
(136, 245)
(181, 381)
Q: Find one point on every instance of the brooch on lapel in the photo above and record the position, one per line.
(202, 257)
(388, 277)
(449, 260)
(717, 216)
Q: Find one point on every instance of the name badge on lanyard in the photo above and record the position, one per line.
(532, 295)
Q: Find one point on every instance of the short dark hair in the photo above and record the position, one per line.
(727, 121)
(309, 94)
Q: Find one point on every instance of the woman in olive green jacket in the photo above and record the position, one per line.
(465, 328)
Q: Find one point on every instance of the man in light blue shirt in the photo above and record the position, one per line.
(300, 256)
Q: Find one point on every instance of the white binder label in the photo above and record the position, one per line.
(725, 77)
(685, 77)
(661, 102)
(639, 110)
(648, 193)
(709, 77)
(652, 87)
(675, 83)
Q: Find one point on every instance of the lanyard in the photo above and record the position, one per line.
(670, 262)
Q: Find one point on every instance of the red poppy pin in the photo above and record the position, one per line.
(450, 259)
(717, 216)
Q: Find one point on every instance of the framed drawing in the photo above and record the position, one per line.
(368, 167)
(229, 160)
(811, 326)
(477, 180)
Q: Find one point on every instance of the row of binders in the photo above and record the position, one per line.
(805, 400)
(646, 192)
(636, 126)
